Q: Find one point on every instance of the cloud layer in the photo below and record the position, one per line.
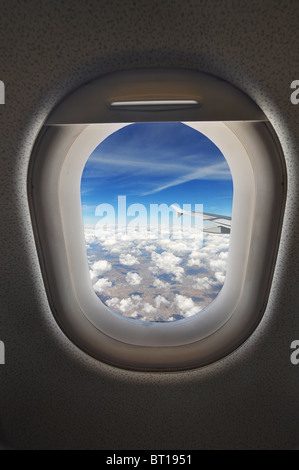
(152, 279)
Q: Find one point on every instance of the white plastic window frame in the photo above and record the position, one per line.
(256, 164)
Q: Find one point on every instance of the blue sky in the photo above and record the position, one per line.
(155, 163)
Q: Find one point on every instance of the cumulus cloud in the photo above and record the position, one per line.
(168, 263)
(128, 260)
(90, 237)
(133, 278)
(220, 277)
(198, 258)
(186, 305)
(213, 259)
(219, 263)
(100, 267)
(148, 308)
(150, 247)
(102, 284)
(113, 302)
(152, 259)
(136, 251)
(175, 246)
(160, 284)
(93, 277)
(136, 298)
(202, 283)
(125, 304)
(159, 300)
(109, 242)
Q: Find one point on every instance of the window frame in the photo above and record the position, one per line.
(54, 181)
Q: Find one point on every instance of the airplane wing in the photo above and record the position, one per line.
(219, 223)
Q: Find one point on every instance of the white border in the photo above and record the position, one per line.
(129, 330)
(254, 157)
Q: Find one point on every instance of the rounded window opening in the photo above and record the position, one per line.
(193, 283)
(156, 204)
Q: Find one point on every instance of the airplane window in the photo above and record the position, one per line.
(153, 196)
(157, 199)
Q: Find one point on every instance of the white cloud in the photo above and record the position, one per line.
(160, 300)
(183, 303)
(136, 298)
(133, 278)
(90, 236)
(214, 171)
(218, 265)
(220, 277)
(113, 302)
(136, 251)
(203, 283)
(154, 270)
(109, 242)
(186, 305)
(102, 284)
(150, 248)
(93, 277)
(215, 244)
(148, 308)
(168, 263)
(211, 258)
(100, 267)
(177, 246)
(125, 305)
(160, 284)
(199, 258)
(213, 255)
(115, 249)
(128, 260)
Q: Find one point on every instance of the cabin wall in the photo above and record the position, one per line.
(52, 395)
